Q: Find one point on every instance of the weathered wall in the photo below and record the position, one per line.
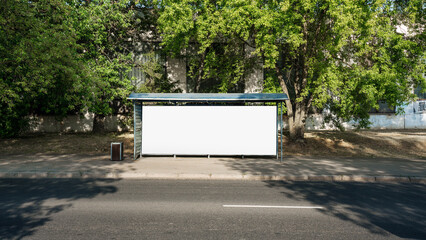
(75, 123)
(415, 116)
(412, 119)
(72, 123)
(253, 81)
(176, 72)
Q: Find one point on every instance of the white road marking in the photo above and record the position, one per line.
(264, 206)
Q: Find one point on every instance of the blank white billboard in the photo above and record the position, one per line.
(209, 130)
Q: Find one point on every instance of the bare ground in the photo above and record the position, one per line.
(365, 144)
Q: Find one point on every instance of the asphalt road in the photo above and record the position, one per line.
(160, 209)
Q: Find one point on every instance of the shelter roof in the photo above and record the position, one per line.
(208, 97)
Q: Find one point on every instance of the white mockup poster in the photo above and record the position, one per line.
(209, 130)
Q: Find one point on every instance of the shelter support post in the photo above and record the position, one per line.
(137, 129)
(276, 103)
(281, 131)
(134, 130)
(141, 126)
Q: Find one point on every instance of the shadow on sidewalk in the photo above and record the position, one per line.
(76, 164)
(26, 204)
(317, 166)
(380, 208)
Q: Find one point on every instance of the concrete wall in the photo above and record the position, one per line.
(415, 115)
(75, 123)
(412, 119)
(176, 72)
(253, 82)
(72, 123)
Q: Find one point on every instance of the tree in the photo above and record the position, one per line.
(103, 29)
(108, 32)
(40, 71)
(60, 57)
(195, 30)
(342, 55)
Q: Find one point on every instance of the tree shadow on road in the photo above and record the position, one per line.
(24, 203)
(399, 209)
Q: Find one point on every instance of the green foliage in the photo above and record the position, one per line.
(58, 57)
(341, 55)
(222, 70)
(39, 67)
(103, 28)
(195, 30)
(155, 79)
(271, 83)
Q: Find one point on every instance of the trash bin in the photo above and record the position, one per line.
(117, 151)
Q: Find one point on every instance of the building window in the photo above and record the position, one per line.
(419, 93)
(146, 53)
(384, 107)
(421, 106)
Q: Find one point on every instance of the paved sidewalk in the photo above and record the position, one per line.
(292, 168)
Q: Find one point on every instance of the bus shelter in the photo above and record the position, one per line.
(208, 124)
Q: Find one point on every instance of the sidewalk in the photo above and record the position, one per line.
(292, 168)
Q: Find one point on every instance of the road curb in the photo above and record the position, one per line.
(187, 176)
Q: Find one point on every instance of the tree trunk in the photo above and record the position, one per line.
(297, 123)
(297, 132)
(200, 72)
(296, 111)
(98, 123)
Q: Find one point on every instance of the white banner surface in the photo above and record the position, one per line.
(209, 130)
